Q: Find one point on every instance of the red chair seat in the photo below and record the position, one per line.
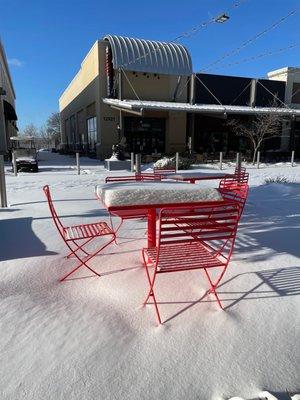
(86, 231)
(183, 257)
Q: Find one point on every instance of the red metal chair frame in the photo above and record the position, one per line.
(157, 170)
(234, 181)
(237, 195)
(236, 188)
(128, 178)
(144, 176)
(241, 170)
(197, 237)
(76, 237)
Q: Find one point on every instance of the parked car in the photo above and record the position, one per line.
(24, 151)
(26, 159)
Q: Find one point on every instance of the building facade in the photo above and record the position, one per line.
(8, 115)
(146, 91)
(92, 125)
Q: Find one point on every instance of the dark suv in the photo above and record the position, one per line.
(26, 159)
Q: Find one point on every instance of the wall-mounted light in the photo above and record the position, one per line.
(222, 18)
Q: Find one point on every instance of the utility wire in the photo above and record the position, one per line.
(251, 40)
(258, 56)
(185, 34)
(204, 24)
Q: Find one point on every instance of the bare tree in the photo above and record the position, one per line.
(258, 129)
(30, 130)
(53, 126)
(45, 137)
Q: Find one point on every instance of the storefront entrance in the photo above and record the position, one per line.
(145, 135)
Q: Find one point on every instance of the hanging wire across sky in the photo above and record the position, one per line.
(189, 32)
(258, 56)
(249, 41)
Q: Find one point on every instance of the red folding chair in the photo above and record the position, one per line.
(240, 170)
(128, 178)
(237, 195)
(76, 237)
(162, 170)
(198, 237)
(235, 181)
(144, 176)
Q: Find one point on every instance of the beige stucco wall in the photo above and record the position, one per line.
(88, 72)
(81, 96)
(89, 86)
(290, 75)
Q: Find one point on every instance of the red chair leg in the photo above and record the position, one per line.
(213, 289)
(80, 247)
(118, 227)
(83, 262)
(151, 290)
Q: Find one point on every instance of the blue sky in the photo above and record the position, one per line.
(45, 41)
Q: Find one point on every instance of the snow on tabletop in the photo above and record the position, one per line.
(134, 193)
(92, 339)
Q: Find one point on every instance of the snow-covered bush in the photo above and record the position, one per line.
(277, 179)
(169, 162)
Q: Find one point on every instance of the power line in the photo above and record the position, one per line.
(251, 40)
(258, 56)
(204, 24)
(186, 34)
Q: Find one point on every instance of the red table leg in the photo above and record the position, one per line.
(151, 227)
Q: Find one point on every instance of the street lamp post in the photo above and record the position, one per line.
(3, 197)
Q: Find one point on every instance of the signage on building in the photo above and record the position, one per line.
(111, 119)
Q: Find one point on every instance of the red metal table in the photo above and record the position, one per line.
(153, 196)
(192, 177)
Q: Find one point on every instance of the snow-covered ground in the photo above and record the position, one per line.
(90, 338)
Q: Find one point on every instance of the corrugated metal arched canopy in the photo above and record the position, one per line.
(149, 56)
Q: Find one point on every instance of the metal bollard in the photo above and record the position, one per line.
(138, 163)
(238, 161)
(258, 158)
(3, 197)
(177, 161)
(293, 158)
(78, 163)
(14, 161)
(132, 162)
(221, 159)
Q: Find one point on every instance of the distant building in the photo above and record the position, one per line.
(8, 115)
(291, 78)
(146, 91)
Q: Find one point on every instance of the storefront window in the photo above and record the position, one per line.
(145, 135)
(92, 132)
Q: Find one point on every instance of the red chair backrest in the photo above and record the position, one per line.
(134, 178)
(149, 176)
(238, 195)
(53, 212)
(214, 225)
(131, 178)
(161, 170)
(234, 181)
(240, 170)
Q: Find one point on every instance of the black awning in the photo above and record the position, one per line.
(9, 111)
